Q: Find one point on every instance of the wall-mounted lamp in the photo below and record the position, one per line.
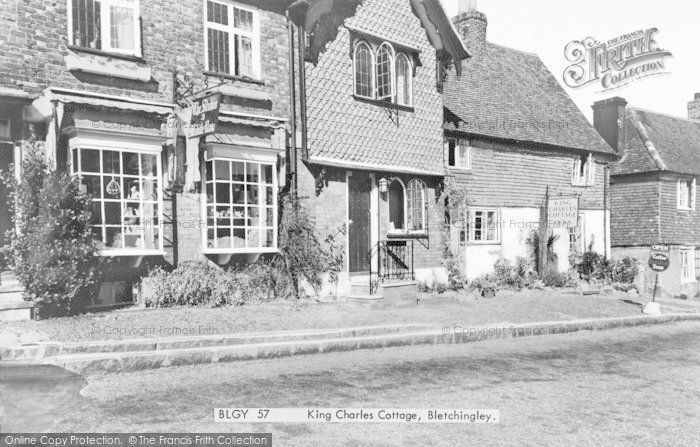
(383, 185)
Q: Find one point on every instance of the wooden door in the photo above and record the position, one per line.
(359, 188)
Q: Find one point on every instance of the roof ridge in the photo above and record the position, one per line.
(668, 115)
(529, 53)
(651, 148)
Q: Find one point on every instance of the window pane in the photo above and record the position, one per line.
(217, 13)
(242, 19)
(269, 196)
(223, 193)
(384, 61)
(122, 28)
(110, 162)
(149, 165)
(218, 51)
(238, 171)
(403, 80)
(267, 174)
(244, 56)
(131, 163)
(222, 169)
(238, 195)
(363, 71)
(90, 160)
(252, 172)
(113, 213)
(86, 24)
(252, 194)
(114, 237)
(92, 185)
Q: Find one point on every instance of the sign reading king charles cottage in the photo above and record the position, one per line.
(614, 63)
(562, 212)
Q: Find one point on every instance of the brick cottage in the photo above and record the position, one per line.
(513, 136)
(371, 155)
(105, 85)
(653, 189)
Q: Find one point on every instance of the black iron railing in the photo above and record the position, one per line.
(395, 261)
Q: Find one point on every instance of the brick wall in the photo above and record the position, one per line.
(634, 217)
(504, 175)
(34, 42)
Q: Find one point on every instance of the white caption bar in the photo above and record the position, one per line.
(301, 415)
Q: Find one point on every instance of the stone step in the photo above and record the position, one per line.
(48, 350)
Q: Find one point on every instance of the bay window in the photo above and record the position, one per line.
(126, 198)
(241, 206)
(107, 25)
(232, 39)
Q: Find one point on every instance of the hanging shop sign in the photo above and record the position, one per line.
(204, 116)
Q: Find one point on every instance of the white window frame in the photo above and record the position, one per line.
(105, 31)
(232, 32)
(471, 226)
(588, 176)
(685, 192)
(261, 205)
(423, 206)
(697, 263)
(405, 205)
(409, 78)
(687, 264)
(159, 202)
(372, 71)
(391, 75)
(462, 155)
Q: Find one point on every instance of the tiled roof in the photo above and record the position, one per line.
(509, 94)
(659, 142)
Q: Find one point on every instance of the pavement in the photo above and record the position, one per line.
(119, 356)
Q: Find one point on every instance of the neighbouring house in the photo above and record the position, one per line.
(108, 87)
(513, 137)
(370, 157)
(653, 189)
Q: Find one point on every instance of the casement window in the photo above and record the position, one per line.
(241, 206)
(697, 263)
(583, 171)
(127, 202)
(577, 243)
(686, 194)
(483, 226)
(416, 206)
(459, 154)
(404, 80)
(381, 73)
(385, 72)
(107, 25)
(687, 264)
(232, 39)
(407, 206)
(364, 70)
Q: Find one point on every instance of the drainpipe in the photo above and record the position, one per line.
(302, 89)
(292, 115)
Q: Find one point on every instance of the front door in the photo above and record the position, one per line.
(359, 188)
(6, 158)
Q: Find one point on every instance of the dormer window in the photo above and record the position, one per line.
(106, 25)
(583, 171)
(382, 73)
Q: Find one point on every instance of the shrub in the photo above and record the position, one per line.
(594, 266)
(202, 284)
(552, 278)
(307, 257)
(54, 254)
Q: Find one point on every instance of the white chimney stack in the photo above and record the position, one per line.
(467, 5)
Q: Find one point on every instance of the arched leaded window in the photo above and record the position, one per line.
(404, 80)
(415, 205)
(385, 71)
(364, 70)
(397, 196)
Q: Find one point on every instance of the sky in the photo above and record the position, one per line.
(545, 27)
